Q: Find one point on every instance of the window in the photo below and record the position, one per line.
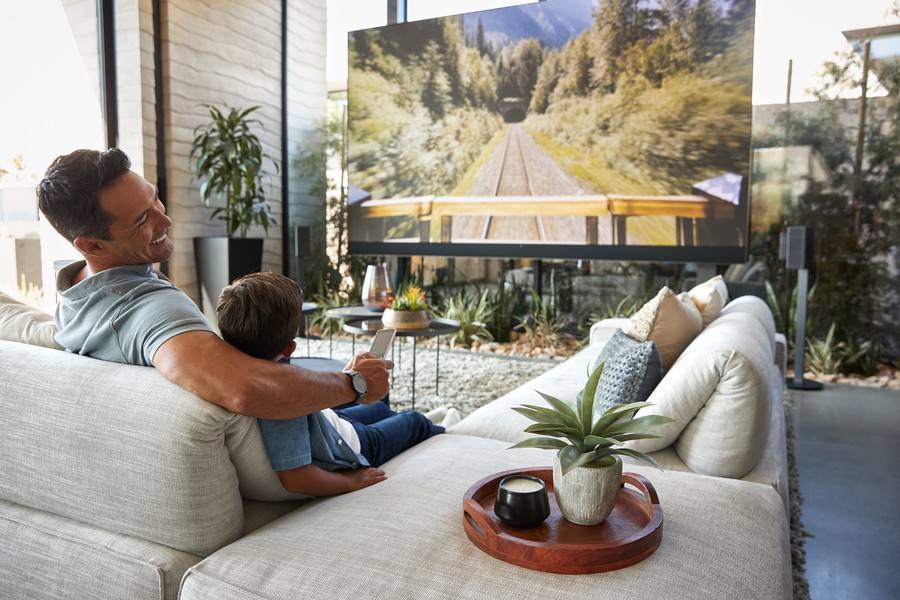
(51, 105)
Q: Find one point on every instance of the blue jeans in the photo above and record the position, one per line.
(383, 434)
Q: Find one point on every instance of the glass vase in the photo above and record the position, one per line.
(377, 293)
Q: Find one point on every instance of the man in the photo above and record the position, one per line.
(115, 306)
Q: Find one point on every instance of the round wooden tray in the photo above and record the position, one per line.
(629, 535)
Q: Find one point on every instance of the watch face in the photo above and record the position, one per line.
(359, 383)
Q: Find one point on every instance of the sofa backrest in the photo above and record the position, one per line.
(122, 448)
(719, 393)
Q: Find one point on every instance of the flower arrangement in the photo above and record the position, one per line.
(413, 299)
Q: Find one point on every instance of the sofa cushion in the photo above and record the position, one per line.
(670, 321)
(720, 398)
(26, 325)
(404, 538)
(631, 372)
(48, 556)
(759, 309)
(710, 297)
(497, 420)
(118, 447)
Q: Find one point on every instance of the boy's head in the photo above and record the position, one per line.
(259, 314)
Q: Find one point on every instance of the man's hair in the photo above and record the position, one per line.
(259, 314)
(69, 193)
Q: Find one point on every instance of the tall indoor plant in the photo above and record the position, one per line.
(230, 164)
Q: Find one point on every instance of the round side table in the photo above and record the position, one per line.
(438, 327)
(345, 313)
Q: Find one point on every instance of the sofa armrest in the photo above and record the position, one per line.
(603, 330)
(781, 354)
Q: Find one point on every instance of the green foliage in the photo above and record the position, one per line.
(412, 299)
(855, 215)
(583, 441)
(474, 313)
(319, 321)
(509, 300)
(626, 307)
(783, 305)
(418, 133)
(543, 322)
(824, 356)
(861, 356)
(329, 267)
(230, 165)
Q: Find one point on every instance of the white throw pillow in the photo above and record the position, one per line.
(719, 395)
(670, 321)
(710, 297)
(26, 325)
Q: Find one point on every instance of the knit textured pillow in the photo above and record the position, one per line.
(631, 373)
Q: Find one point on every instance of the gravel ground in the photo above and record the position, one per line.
(468, 380)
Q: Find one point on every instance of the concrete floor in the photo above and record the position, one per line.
(847, 449)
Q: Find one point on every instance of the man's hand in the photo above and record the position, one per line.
(375, 370)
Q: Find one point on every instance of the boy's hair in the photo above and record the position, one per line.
(69, 193)
(259, 314)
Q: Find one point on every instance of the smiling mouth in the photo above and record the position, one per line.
(159, 240)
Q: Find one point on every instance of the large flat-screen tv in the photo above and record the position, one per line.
(579, 129)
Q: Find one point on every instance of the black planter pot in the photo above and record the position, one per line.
(221, 260)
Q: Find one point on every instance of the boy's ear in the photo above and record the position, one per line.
(289, 349)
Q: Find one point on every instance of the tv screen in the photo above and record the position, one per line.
(579, 129)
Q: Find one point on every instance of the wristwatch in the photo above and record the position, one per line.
(358, 383)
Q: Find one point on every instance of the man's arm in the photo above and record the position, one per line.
(310, 480)
(204, 364)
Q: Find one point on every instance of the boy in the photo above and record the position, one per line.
(331, 451)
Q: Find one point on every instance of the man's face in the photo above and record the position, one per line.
(139, 227)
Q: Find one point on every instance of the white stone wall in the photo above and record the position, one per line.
(229, 51)
(136, 87)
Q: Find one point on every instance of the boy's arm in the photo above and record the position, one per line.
(310, 480)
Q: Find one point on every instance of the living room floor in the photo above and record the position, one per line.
(847, 443)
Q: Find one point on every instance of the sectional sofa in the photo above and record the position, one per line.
(115, 483)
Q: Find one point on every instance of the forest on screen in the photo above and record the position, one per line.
(648, 98)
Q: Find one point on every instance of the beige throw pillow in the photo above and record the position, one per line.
(26, 325)
(710, 297)
(670, 321)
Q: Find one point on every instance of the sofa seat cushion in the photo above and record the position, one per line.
(404, 538)
(26, 325)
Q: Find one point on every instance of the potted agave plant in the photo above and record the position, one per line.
(588, 467)
(408, 310)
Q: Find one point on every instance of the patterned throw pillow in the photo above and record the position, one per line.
(632, 371)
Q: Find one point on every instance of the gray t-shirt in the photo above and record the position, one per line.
(122, 314)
